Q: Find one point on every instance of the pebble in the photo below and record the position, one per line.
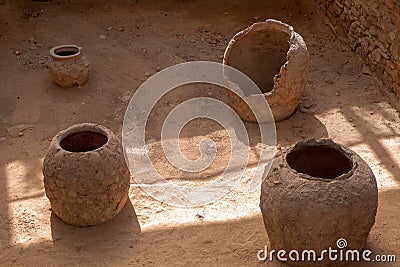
(199, 216)
(303, 110)
(308, 105)
(20, 134)
(16, 52)
(110, 28)
(366, 70)
(102, 36)
(147, 73)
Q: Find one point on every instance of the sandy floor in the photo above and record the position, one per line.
(141, 38)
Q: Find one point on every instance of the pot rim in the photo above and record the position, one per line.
(58, 57)
(323, 142)
(91, 127)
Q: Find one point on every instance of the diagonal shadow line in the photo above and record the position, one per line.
(372, 140)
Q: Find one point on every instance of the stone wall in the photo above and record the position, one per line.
(372, 28)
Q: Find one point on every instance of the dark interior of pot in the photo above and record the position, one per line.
(83, 141)
(66, 51)
(260, 55)
(319, 161)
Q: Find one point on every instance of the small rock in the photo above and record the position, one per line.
(20, 134)
(120, 29)
(226, 13)
(365, 69)
(303, 110)
(110, 28)
(2, 139)
(199, 216)
(307, 105)
(158, 68)
(16, 52)
(31, 39)
(147, 73)
(102, 36)
(256, 17)
(40, 45)
(31, 48)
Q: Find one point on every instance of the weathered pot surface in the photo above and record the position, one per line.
(276, 58)
(68, 66)
(85, 175)
(318, 192)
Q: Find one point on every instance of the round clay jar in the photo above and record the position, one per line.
(318, 192)
(85, 175)
(68, 66)
(276, 58)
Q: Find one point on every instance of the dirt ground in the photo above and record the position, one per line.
(127, 42)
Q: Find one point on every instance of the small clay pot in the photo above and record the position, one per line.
(68, 66)
(317, 193)
(276, 58)
(85, 175)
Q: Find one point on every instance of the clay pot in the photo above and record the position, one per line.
(275, 57)
(317, 193)
(85, 175)
(68, 66)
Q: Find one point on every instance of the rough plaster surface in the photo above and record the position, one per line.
(69, 72)
(86, 188)
(287, 80)
(303, 212)
(372, 28)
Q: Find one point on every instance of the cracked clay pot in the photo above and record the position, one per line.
(318, 192)
(68, 66)
(85, 175)
(275, 57)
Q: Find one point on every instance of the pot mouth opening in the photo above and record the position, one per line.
(320, 161)
(83, 141)
(65, 51)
